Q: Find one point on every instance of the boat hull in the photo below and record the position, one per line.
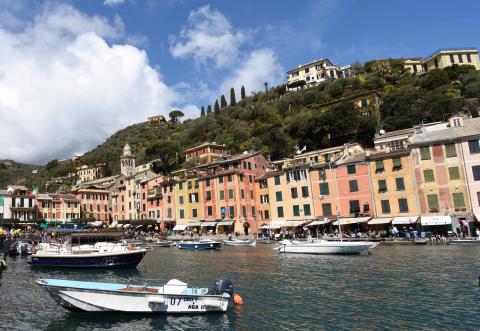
(326, 248)
(240, 243)
(465, 242)
(98, 300)
(199, 245)
(128, 259)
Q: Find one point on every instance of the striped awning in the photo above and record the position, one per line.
(380, 220)
(351, 220)
(404, 220)
(207, 224)
(225, 223)
(319, 222)
(194, 224)
(180, 227)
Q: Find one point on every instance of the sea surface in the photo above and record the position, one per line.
(395, 288)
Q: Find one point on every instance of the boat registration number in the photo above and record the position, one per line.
(190, 303)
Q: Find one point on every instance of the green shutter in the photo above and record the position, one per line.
(432, 200)
(296, 210)
(280, 211)
(425, 153)
(277, 180)
(1, 200)
(397, 162)
(454, 173)
(324, 190)
(379, 165)
(306, 210)
(382, 185)
(428, 175)
(450, 150)
(278, 196)
(458, 200)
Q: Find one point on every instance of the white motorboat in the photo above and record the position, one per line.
(240, 242)
(173, 297)
(324, 247)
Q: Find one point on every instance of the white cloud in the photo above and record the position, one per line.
(259, 67)
(64, 89)
(113, 2)
(207, 36)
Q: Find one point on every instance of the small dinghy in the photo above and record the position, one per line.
(203, 244)
(240, 242)
(20, 248)
(173, 297)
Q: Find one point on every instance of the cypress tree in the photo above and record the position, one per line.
(202, 112)
(223, 102)
(233, 101)
(242, 92)
(209, 109)
(216, 108)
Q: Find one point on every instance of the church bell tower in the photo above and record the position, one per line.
(127, 162)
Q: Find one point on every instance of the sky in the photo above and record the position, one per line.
(74, 72)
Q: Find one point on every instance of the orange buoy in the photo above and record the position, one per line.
(237, 299)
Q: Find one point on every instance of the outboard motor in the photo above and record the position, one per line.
(224, 285)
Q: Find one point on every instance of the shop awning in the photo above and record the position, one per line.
(194, 224)
(265, 226)
(319, 222)
(351, 220)
(405, 220)
(225, 223)
(435, 220)
(207, 224)
(380, 220)
(276, 224)
(289, 224)
(180, 227)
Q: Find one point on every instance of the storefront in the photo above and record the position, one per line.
(224, 227)
(441, 225)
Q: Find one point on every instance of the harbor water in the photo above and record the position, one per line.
(396, 288)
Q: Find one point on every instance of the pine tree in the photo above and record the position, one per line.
(233, 101)
(223, 102)
(202, 112)
(216, 108)
(242, 92)
(209, 109)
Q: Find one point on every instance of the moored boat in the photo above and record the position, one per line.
(199, 245)
(173, 297)
(324, 247)
(240, 242)
(160, 243)
(105, 255)
(465, 242)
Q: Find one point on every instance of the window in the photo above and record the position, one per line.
(322, 174)
(403, 205)
(435, 61)
(182, 213)
(277, 180)
(474, 146)
(194, 213)
(220, 179)
(244, 211)
(229, 178)
(400, 184)
(454, 173)
(222, 195)
(324, 189)
(425, 153)
(432, 201)
(180, 186)
(326, 209)
(232, 211)
(250, 178)
(382, 186)
(294, 192)
(267, 214)
(303, 174)
(306, 210)
(189, 184)
(296, 210)
(353, 184)
(364, 103)
(253, 211)
(278, 196)
(280, 211)
(385, 206)
(305, 192)
(450, 150)
(230, 193)
(180, 199)
(478, 198)
(476, 172)
(460, 58)
(379, 167)
(351, 169)
(193, 197)
(197, 183)
(264, 198)
(207, 182)
(397, 164)
(241, 178)
(469, 58)
(452, 60)
(354, 206)
(458, 200)
(263, 183)
(209, 195)
(242, 194)
(428, 176)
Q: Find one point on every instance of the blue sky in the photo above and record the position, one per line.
(73, 72)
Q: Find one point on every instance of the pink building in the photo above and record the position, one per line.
(354, 188)
(158, 201)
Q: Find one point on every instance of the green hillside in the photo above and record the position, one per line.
(318, 117)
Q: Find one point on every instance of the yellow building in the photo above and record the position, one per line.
(444, 58)
(86, 173)
(188, 198)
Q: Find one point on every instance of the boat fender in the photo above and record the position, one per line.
(237, 299)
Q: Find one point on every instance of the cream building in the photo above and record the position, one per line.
(444, 58)
(86, 173)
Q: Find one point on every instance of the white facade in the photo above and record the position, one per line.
(5, 204)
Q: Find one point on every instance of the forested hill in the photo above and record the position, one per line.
(318, 117)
